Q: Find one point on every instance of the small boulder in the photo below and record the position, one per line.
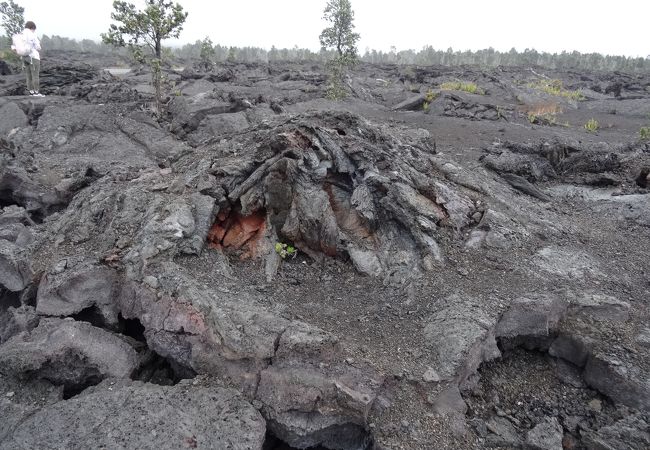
(15, 271)
(547, 435)
(134, 415)
(68, 353)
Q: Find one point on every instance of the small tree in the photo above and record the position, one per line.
(13, 18)
(231, 54)
(341, 38)
(208, 53)
(340, 35)
(161, 19)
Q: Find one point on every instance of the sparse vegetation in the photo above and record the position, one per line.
(337, 69)
(644, 133)
(469, 87)
(285, 250)
(549, 119)
(428, 98)
(207, 53)
(13, 18)
(341, 38)
(556, 87)
(146, 29)
(232, 54)
(543, 114)
(592, 125)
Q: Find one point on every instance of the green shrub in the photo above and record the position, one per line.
(592, 125)
(644, 133)
(469, 87)
(428, 98)
(556, 87)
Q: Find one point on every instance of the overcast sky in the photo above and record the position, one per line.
(618, 27)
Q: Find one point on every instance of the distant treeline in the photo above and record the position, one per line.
(426, 56)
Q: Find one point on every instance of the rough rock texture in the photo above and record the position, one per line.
(20, 399)
(545, 436)
(462, 336)
(633, 432)
(16, 319)
(536, 317)
(12, 118)
(328, 184)
(70, 289)
(69, 353)
(629, 385)
(433, 244)
(15, 271)
(308, 394)
(122, 415)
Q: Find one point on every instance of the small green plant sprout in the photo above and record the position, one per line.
(644, 133)
(592, 125)
(285, 250)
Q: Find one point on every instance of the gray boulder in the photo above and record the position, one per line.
(626, 383)
(600, 307)
(15, 320)
(632, 432)
(546, 435)
(503, 433)
(535, 316)
(15, 270)
(136, 226)
(68, 353)
(71, 288)
(11, 117)
(133, 415)
(461, 336)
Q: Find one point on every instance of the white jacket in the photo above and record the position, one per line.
(34, 42)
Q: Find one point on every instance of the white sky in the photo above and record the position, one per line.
(618, 27)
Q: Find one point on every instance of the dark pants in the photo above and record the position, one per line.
(32, 70)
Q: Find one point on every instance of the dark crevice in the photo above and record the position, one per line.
(339, 437)
(132, 328)
(7, 198)
(70, 391)
(162, 371)
(34, 113)
(272, 442)
(92, 315)
(28, 296)
(643, 179)
(155, 368)
(9, 299)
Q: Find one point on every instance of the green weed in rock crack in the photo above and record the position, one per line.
(285, 250)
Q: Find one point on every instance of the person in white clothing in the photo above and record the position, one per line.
(33, 60)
